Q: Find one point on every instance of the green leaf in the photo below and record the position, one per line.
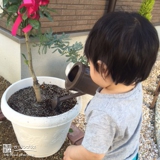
(24, 16)
(22, 10)
(44, 50)
(5, 2)
(34, 23)
(59, 51)
(51, 9)
(70, 130)
(13, 1)
(8, 19)
(47, 15)
(25, 60)
(54, 51)
(146, 8)
(41, 14)
(12, 8)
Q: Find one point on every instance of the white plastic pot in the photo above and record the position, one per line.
(38, 136)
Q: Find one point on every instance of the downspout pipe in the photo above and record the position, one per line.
(111, 6)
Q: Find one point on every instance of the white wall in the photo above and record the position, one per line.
(44, 64)
(158, 30)
(10, 62)
(13, 68)
(1, 4)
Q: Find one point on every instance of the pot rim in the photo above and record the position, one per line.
(31, 121)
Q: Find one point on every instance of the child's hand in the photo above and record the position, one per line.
(67, 153)
(80, 153)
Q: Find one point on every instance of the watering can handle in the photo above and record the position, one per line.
(55, 100)
(70, 96)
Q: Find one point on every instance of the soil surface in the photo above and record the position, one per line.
(24, 101)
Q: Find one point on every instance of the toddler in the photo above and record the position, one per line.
(121, 49)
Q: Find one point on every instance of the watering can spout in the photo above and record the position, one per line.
(79, 79)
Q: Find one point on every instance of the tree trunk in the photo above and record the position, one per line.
(36, 85)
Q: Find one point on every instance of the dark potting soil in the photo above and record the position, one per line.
(24, 101)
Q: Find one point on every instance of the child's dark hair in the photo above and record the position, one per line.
(126, 43)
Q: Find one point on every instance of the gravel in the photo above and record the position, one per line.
(148, 138)
(149, 133)
(148, 141)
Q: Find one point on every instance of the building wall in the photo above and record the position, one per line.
(80, 15)
(134, 5)
(156, 13)
(75, 15)
(10, 64)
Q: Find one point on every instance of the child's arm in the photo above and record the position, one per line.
(80, 153)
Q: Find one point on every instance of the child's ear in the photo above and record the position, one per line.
(99, 62)
(102, 68)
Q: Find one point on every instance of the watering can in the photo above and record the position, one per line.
(78, 79)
